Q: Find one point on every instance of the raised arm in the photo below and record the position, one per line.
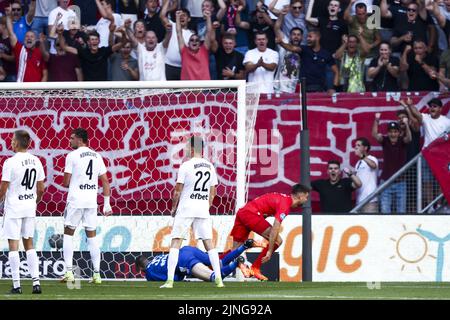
(272, 8)
(408, 137)
(412, 109)
(404, 66)
(130, 33)
(340, 51)
(375, 134)
(180, 38)
(9, 26)
(384, 8)
(43, 47)
(222, 9)
(347, 13)
(309, 18)
(164, 11)
(167, 36)
(241, 24)
(277, 27)
(434, 9)
(210, 37)
(116, 47)
(64, 46)
(107, 14)
(31, 12)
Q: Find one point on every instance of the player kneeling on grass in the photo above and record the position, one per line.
(23, 184)
(252, 217)
(192, 262)
(83, 168)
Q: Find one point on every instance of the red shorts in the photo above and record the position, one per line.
(247, 221)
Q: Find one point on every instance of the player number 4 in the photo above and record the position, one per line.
(89, 170)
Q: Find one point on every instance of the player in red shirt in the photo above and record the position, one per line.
(252, 217)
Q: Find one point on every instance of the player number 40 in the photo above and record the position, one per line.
(29, 178)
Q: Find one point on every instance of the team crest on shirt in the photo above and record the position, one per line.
(282, 216)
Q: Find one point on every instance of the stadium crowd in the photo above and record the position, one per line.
(344, 46)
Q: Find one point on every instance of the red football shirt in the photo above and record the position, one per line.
(271, 204)
(29, 63)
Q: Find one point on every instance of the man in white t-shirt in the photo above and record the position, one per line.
(194, 194)
(367, 172)
(67, 15)
(150, 54)
(173, 55)
(434, 125)
(260, 64)
(108, 17)
(22, 187)
(84, 167)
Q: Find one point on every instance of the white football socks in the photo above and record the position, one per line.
(215, 262)
(94, 249)
(33, 266)
(68, 251)
(14, 263)
(172, 263)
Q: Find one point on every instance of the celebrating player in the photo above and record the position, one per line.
(23, 183)
(192, 262)
(194, 194)
(252, 216)
(83, 169)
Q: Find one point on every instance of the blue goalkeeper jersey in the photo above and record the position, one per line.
(157, 270)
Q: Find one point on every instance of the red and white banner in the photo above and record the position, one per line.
(137, 139)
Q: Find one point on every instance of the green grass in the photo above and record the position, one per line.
(135, 290)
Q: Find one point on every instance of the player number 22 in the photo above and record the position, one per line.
(200, 176)
(29, 178)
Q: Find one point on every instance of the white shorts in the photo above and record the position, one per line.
(18, 228)
(202, 227)
(73, 217)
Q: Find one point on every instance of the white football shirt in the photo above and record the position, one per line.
(197, 175)
(22, 171)
(85, 166)
(368, 177)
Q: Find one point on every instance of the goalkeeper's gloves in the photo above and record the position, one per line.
(107, 210)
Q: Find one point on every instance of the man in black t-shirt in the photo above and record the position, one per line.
(152, 20)
(336, 192)
(421, 67)
(229, 62)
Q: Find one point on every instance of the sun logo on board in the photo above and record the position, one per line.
(411, 248)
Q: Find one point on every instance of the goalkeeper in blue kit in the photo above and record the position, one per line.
(192, 262)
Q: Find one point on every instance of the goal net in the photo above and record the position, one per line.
(141, 130)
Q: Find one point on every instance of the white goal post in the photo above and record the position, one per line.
(135, 119)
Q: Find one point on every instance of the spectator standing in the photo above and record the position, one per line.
(229, 61)
(294, 18)
(30, 64)
(105, 7)
(152, 19)
(21, 22)
(66, 15)
(123, 66)
(336, 192)
(288, 70)
(151, 54)
(421, 67)
(260, 64)
(128, 9)
(384, 70)
(94, 59)
(173, 56)
(194, 55)
(394, 158)
(367, 172)
(6, 53)
(351, 64)
(40, 21)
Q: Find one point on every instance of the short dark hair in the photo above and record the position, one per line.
(300, 188)
(93, 33)
(197, 144)
(334, 161)
(137, 21)
(81, 133)
(260, 33)
(296, 28)
(386, 43)
(140, 260)
(314, 30)
(23, 138)
(365, 142)
(186, 11)
(436, 102)
(229, 36)
(112, 3)
(361, 5)
(402, 111)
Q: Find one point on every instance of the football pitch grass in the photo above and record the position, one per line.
(140, 290)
